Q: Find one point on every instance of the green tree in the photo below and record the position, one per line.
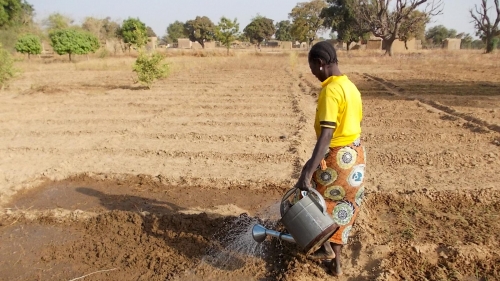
(307, 20)
(413, 27)
(57, 21)
(339, 16)
(259, 29)
(133, 32)
(487, 28)
(9, 11)
(15, 13)
(29, 44)
(175, 31)
(226, 31)
(283, 31)
(7, 70)
(149, 68)
(385, 18)
(437, 34)
(16, 17)
(71, 41)
(200, 30)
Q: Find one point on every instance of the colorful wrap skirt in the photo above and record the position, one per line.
(339, 179)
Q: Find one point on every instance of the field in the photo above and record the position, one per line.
(100, 176)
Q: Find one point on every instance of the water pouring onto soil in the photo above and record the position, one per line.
(234, 244)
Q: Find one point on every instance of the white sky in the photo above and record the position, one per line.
(160, 13)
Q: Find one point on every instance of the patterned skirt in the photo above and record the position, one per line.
(339, 179)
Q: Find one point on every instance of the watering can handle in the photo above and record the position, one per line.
(319, 199)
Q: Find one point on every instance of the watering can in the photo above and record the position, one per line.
(306, 219)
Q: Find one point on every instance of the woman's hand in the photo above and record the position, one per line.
(304, 182)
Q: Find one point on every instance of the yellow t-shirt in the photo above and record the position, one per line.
(339, 108)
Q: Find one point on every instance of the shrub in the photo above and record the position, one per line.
(7, 70)
(150, 68)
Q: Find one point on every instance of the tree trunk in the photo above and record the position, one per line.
(29, 56)
(388, 46)
(228, 49)
(69, 56)
(202, 44)
(489, 44)
(348, 46)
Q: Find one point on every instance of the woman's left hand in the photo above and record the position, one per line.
(304, 182)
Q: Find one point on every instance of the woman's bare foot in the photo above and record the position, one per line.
(324, 253)
(335, 267)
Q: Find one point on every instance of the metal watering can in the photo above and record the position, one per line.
(307, 221)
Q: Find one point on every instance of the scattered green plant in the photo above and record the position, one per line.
(149, 68)
(7, 70)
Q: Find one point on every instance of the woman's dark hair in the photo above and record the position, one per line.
(324, 51)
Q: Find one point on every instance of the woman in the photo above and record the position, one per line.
(337, 166)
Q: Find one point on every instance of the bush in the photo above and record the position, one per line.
(150, 68)
(7, 70)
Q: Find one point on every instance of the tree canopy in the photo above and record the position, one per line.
(175, 31)
(15, 13)
(133, 32)
(413, 27)
(200, 30)
(339, 16)
(226, 31)
(9, 11)
(259, 29)
(307, 20)
(283, 31)
(29, 44)
(385, 19)
(437, 34)
(72, 41)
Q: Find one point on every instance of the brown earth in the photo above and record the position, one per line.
(105, 178)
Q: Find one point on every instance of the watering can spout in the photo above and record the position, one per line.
(259, 234)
